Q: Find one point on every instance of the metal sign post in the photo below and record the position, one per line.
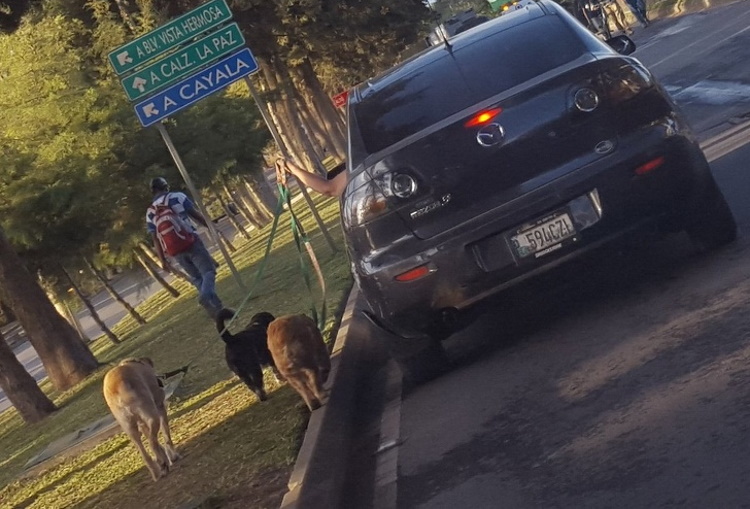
(277, 139)
(199, 202)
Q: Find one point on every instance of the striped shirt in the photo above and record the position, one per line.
(177, 201)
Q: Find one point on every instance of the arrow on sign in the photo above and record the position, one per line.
(150, 110)
(124, 58)
(139, 83)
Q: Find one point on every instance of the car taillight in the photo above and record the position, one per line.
(364, 204)
(625, 81)
(483, 117)
(649, 166)
(414, 274)
(372, 191)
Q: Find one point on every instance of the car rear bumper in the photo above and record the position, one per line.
(471, 262)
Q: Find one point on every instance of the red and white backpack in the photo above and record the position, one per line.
(173, 233)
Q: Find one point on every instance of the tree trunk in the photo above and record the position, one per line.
(223, 238)
(86, 302)
(280, 112)
(325, 107)
(65, 358)
(242, 206)
(72, 319)
(155, 263)
(126, 13)
(258, 210)
(286, 85)
(21, 388)
(237, 225)
(262, 194)
(113, 293)
(151, 270)
(8, 314)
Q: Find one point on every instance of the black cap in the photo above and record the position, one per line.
(159, 184)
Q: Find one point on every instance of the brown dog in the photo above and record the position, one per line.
(300, 355)
(136, 400)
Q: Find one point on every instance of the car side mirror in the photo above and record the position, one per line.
(622, 44)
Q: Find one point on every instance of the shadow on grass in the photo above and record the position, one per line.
(243, 461)
(60, 481)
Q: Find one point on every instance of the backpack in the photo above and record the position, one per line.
(174, 235)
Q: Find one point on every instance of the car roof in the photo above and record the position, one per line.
(535, 9)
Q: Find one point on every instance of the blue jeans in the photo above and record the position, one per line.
(638, 8)
(199, 265)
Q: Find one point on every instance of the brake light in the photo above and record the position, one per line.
(413, 274)
(649, 166)
(625, 82)
(483, 117)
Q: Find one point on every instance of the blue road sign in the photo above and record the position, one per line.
(196, 87)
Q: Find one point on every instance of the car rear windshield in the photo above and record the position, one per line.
(470, 74)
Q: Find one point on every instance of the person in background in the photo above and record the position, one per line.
(617, 15)
(638, 8)
(168, 221)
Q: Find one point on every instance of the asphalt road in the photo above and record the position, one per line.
(622, 380)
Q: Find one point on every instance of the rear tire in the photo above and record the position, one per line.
(421, 357)
(712, 223)
(424, 365)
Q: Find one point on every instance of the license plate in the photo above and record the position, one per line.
(544, 237)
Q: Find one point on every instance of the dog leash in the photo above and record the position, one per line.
(256, 280)
(301, 239)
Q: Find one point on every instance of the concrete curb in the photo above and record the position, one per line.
(386, 463)
(320, 470)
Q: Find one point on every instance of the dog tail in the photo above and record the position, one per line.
(221, 318)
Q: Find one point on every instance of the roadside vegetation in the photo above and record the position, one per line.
(237, 451)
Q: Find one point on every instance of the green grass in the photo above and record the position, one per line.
(237, 452)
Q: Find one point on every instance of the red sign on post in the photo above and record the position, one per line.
(339, 100)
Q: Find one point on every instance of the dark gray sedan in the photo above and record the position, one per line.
(501, 153)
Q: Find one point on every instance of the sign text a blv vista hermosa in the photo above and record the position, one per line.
(180, 30)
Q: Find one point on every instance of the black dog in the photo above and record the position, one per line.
(247, 351)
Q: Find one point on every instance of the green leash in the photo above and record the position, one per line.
(301, 239)
(258, 275)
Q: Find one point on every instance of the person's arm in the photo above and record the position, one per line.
(191, 210)
(333, 187)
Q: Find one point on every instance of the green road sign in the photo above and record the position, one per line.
(185, 61)
(176, 32)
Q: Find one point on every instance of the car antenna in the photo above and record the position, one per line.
(440, 27)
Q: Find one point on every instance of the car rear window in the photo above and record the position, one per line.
(470, 74)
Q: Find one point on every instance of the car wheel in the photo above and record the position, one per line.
(421, 356)
(424, 365)
(712, 223)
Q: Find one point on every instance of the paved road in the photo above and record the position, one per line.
(620, 381)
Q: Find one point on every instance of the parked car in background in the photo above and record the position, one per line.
(510, 149)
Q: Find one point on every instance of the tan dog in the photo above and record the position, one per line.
(300, 355)
(136, 400)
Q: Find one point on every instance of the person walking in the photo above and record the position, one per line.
(168, 221)
(638, 8)
(617, 15)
